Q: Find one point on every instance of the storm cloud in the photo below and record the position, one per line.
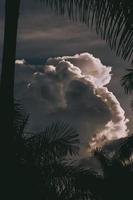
(72, 89)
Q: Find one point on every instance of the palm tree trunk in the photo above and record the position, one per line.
(7, 96)
(8, 67)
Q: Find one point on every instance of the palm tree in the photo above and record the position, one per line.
(43, 168)
(117, 175)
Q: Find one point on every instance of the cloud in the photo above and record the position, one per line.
(20, 62)
(72, 89)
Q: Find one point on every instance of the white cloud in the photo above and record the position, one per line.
(116, 128)
(20, 62)
(73, 88)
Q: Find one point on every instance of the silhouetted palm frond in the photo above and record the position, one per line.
(56, 141)
(117, 177)
(82, 183)
(41, 164)
(20, 119)
(59, 180)
(86, 182)
(70, 181)
(20, 122)
(112, 19)
(127, 81)
(104, 160)
(125, 150)
(132, 104)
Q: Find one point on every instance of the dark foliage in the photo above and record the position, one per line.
(125, 151)
(112, 19)
(117, 174)
(42, 169)
(127, 81)
(8, 68)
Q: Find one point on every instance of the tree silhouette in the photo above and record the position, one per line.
(43, 167)
(117, 177)
(127, 81)
(7, 77)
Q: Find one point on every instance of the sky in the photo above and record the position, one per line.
(64, 71)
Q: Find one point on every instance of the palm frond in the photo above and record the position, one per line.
(132, 104)
(56, 141)
(127, 81)
(110, 165)
(20, 119)
(86, 180)
(82, 182)
(20, 122)
(68, 181)
(126, 149)
(40, 162)
(105, 162)
(112, 20)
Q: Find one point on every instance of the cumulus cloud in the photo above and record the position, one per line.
(20, 62)
(73, 89)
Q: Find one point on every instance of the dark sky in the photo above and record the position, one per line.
(43, 34)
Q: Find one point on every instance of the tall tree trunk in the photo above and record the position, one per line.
(7, 96)
(8, 67)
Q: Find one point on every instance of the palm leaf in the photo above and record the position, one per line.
(127, 81)
(20, 119)
(56, 141)
(68, 181)
(86, 181)
(82, 183)
(39, 158)
(20, 122)
(112, 20)
(126, 149)
(109, 164)
(104, 160)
